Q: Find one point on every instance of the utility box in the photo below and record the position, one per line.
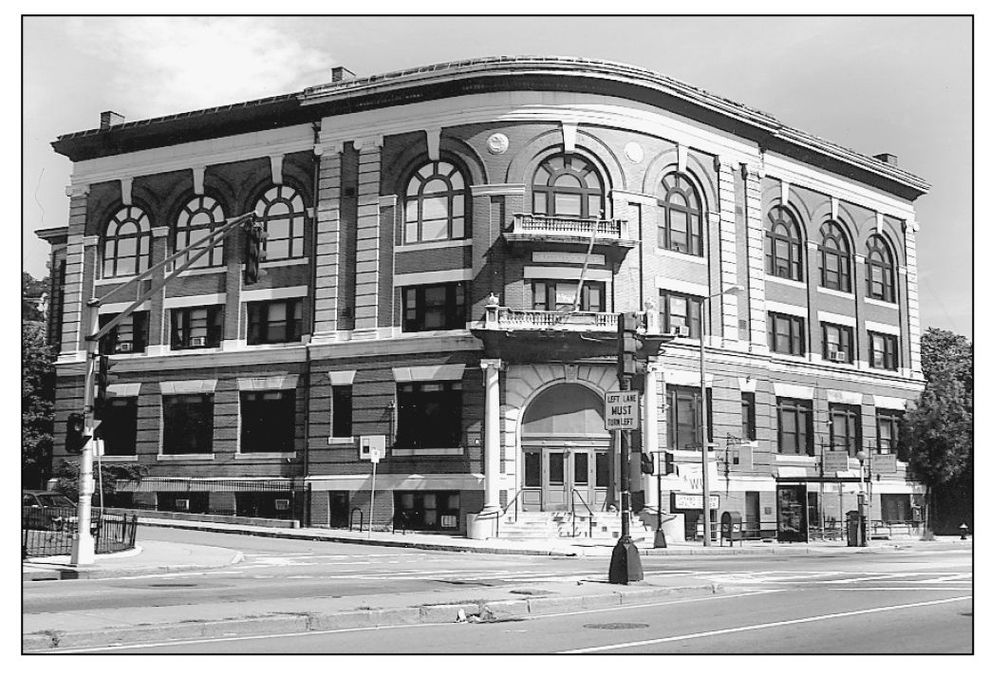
(854, 537)
(731, 527)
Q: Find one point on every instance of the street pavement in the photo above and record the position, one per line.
(287, 593)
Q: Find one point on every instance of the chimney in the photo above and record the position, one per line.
(109, 118)
(339, 74)
(887, 158)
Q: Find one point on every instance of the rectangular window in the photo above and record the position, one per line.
(684, 417)
(188, 423)
(785, 333)
(680, 310)
(749, 416)
(845, 428)
(194, 327)
(532, 475)
(837, 343)
(603, 465)
(118, 426)
(429, 415)
(434, 308)
(558, 296)
(556, 469)
(580, 469)
(888, 423)
(128, 337)
(883, 351)
(794, 427)
(274, 321)
(268, 421)
(342, 410)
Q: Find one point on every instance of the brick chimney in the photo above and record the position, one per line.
(109, 118)
(339, 74)
(887, 158)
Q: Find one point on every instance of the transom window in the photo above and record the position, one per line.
(282, 213)
(200, 216)
(127, 243)
(785, 333)
(879, 269)
(837, 343)
(568, 186)
(680, 310)
(435, 204)
(834, 251)
(783, 245)
(680, 216)
(558, 295)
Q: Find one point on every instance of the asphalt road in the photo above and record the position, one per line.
(886, 602)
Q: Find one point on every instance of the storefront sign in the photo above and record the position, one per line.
(835, 462)
(622, 410)
(692, 501)
(884, 464)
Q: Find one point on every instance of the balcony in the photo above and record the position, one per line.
(535, 228)
(507, 319)
(539, 335)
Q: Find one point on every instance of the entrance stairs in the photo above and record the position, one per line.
(599, 526)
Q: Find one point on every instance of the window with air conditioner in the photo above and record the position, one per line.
(680, 314)
(128, 337)
(196, 327)
(837, 343)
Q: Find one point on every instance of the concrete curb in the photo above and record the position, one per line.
(285, 623)
(95, 572)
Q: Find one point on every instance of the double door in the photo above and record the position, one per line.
(557, 479)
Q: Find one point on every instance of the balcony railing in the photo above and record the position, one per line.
(505, 319)
(531, 226)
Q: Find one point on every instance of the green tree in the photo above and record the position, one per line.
(67, 479)
(937, 433)
(31, 288)
(37, 404)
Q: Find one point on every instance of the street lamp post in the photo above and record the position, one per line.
(705, 493)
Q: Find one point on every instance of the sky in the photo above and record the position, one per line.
(901, 85)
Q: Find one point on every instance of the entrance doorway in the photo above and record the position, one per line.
(566, 463)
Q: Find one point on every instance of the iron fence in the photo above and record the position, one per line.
(48, 531)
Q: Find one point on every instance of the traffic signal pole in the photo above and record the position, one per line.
(83, 545)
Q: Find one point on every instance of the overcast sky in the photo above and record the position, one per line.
(897, 85)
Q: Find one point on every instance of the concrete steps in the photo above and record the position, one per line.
(600, 526)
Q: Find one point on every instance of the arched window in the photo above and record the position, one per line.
(282, 213)
(783, 245)
(879, 269)
(567, 186)
(127, 243)
(680, 220)
(834, 251)
(435, 204)
(200, 215)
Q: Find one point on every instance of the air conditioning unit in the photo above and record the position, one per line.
(182, 505)
(281, 505)
(837, 355)
(125, 346)
(681, 331)
(197, 341)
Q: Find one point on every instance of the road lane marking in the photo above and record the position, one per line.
(227, 639)
(765, 625)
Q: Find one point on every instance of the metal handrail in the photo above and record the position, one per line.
(505, 510)
(574, 492)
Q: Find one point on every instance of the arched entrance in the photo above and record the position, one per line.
(567, 459)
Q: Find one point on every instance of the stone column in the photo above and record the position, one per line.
(327, 244)
(650, 435)
(492, 433)
(368, 233)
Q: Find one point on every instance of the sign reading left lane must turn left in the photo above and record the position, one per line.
(622, 410)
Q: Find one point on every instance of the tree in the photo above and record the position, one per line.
(67, 479)
(37, 404)
(937, 433)
(31, 288)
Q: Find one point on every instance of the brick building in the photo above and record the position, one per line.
(427, 231)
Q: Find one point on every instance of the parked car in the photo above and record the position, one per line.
(46, 510)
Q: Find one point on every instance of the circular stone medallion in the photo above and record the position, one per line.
(634, 152)
(498, 144)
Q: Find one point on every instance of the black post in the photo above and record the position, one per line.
(625, 566)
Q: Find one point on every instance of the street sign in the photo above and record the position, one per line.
(694, 501)
(372, 447)
(622, 410)
(833, 462)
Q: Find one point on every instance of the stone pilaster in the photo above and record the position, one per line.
(368, 234)
(729, 270)
(756, 287)
(914, 318)
(75, 258)
(327, 245)
(492, 433)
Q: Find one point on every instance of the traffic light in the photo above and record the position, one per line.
(631, 326)
(668, 463)
(254, 253)
(646, 463)
(75, 433)
(102, 381)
